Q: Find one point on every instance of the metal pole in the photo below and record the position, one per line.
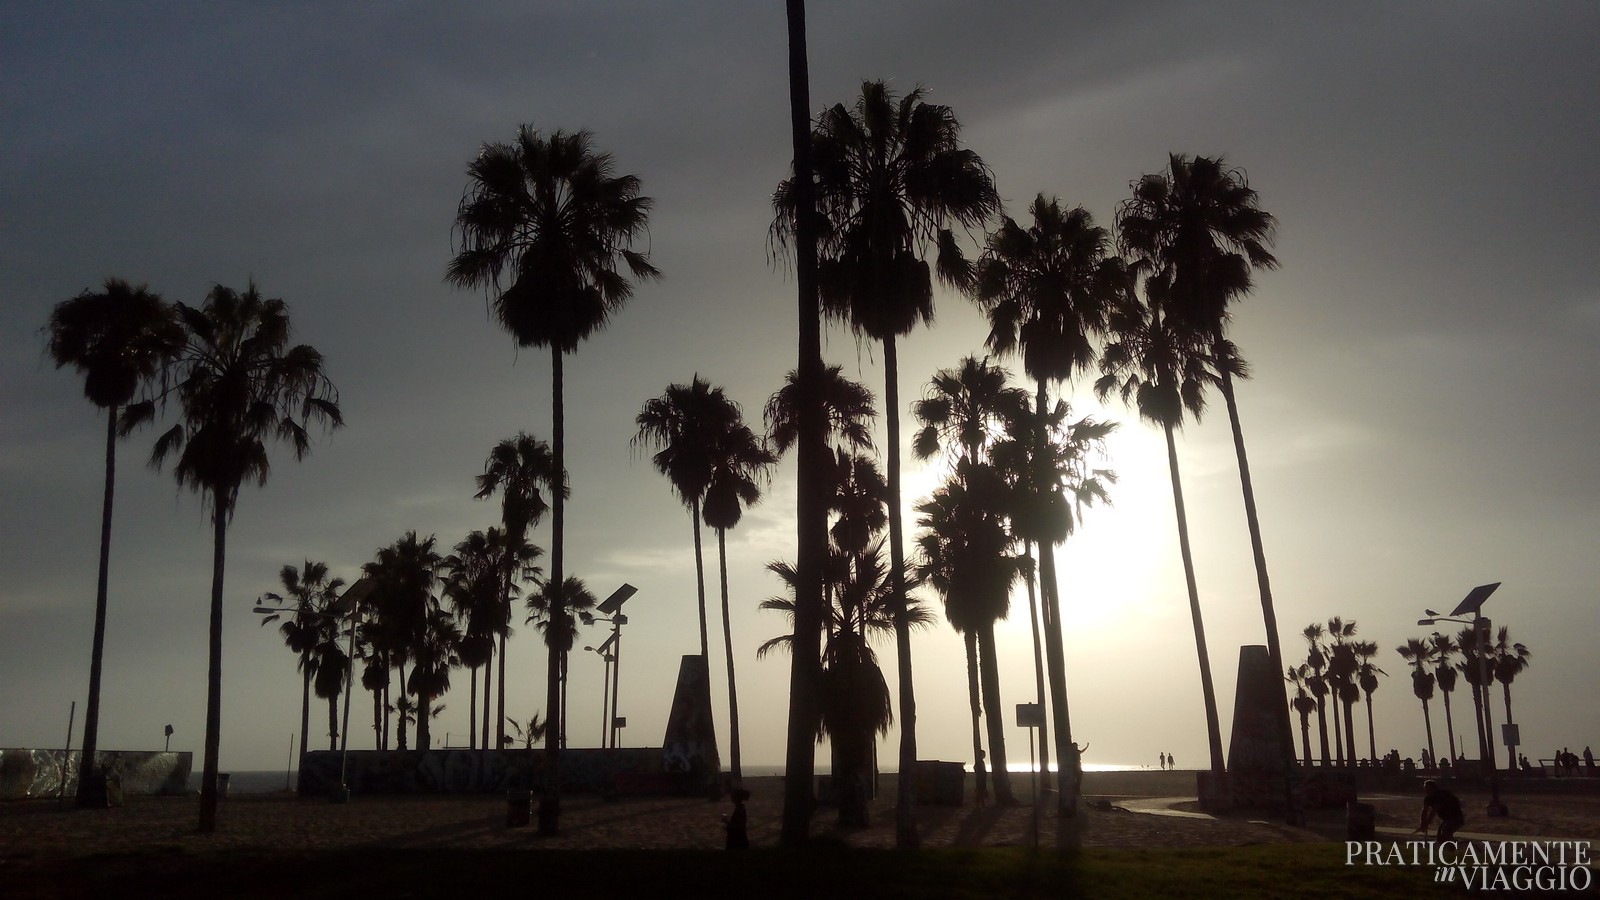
(1035, 769)
(605, 703)
(616, 681)
(1496, 808)
(289, 765)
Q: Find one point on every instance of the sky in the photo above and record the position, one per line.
(1422, 417)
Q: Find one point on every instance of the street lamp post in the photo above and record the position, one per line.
(1473, 604)
(348, 606)
(605, 692)
(611, 611)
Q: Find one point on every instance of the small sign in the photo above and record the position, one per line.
(1030, 715)
(619, 722)
(1511, 734)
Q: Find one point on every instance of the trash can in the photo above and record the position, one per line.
(1360, 821)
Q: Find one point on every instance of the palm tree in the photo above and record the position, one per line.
(239, 386)
(1300, 676)
(119, 339)
(1046, 289)
(1162, 371)
(1367, 675)
(312, 594)
(474, 586)
(332, 666)
(967, 559)
(1419, 653)
(432, 657)
(1510, 660)
(741, 462)
(1472, 667)
(405, 575)
(681, 426)
(847, 411)
(891, 179)
(547, 214)
(1317, 659)
(1198, 222)
(522, 470)
(1341, 675)
(964, 412)
(1444, 673)
(555, 613)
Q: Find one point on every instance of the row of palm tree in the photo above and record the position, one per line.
(238, 386)
(1340, 666)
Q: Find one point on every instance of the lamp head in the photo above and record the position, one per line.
(1425, 621)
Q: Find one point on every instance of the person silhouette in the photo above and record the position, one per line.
(1172, 762)
(1163, 762)
(738, 822)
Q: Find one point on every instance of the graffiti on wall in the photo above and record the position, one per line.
(27, 774)
(586, 770)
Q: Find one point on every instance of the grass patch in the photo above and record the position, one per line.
(1295, 870)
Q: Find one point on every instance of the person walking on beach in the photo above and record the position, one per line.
(738, 824)
(1588, 761)
(1172, 762)
(1163, 761)
(1436, 801)
(980, 793)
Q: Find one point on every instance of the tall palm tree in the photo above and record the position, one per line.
(545, 229)
(1418, 652)
(1367, 676)
(474, 587)
(1162, 371)
(333, 665)
(523, 471)
(1046, 288)
(118, 339)
(741, 463)
(964, 412)
(847, 408)
(239, 386)
(682, 426)
(1444, 673)
(966, 557)
(1510, 660)
(1317, 660)
(312, 593)
(1303, 703)
(891, 180)
(435, 653)
(1472, 667)
(1199, 222)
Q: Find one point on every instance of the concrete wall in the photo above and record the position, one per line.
(27, 774)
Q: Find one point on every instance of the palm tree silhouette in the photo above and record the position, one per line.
(475, 588)
(433, 656)
(312, 593)
(1317, 659)
(964, 412)
(967, 559)
(522, 470)
(118, 339)
(1510, 660)
(1303, 703)
(546, 214)
(239, 386)
(1367, 676)
(1162, 371)
(1046, 289)
(1444, 673)
(1341, 675)
(682, 426)
(1471, 667)
(1418, 652)
(555, 614)
(405, 574)
(741, 463)
(891, 179)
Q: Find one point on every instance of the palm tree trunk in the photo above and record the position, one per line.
(91, 716)
(805, 664)
(1305, 734)
(1511, 749)
(905, 832)
(333, 722)
(213, 740)
(700, 581)
(989, 670)
(483, 724)
(1350, 730)
(500, 695)
(400, 726)
(550, 799)
(472, 713)
(1479, 703)
(727, 645)
(1213, 730)
(305, 702)
(377, 719)
(1372, 737)
(1427, 720)
(1322, 728)
(1069, 767)
(1338, 733)
(1449, 725)
(1038, 673)
(1269, 616)
(970, 638)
